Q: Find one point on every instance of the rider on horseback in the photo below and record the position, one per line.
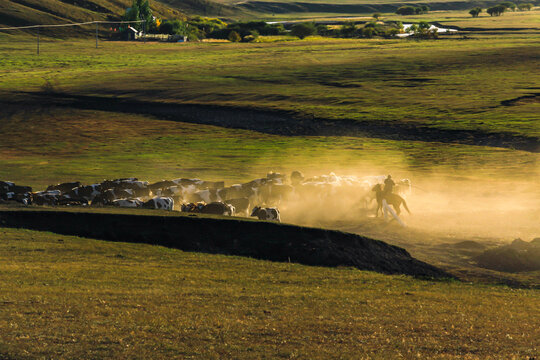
(388, 185)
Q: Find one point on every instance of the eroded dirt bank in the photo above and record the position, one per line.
(261, 240)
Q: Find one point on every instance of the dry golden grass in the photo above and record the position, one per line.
(66, 297)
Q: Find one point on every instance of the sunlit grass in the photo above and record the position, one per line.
(67, 297)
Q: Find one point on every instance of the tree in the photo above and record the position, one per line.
(302, 30)
(509, 5)
(527, 6)
(406, 10)
(475, 12)
(496, 10)
(234, 36)
(140, 11)
(425, 8)
(377, 16)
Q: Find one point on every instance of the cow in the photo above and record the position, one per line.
(217, 208)
(208, 195)
(64, 187)
(163, 184)
(163, 203)
(109, 196)
(25, 198)
(128, 203)
(241, 205)
(111, 184)
(49, 197)
(276, 178)
(271, 214)
(275, 193)
(7, 187)
(296, 178)
(87, 192)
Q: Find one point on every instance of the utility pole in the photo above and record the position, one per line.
(144, 31)
(38, 40)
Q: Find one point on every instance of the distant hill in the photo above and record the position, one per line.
(32, 12)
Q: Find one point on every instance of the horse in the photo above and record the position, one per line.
(393, 199)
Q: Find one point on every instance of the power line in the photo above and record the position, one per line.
(72, 24)
(39, 27)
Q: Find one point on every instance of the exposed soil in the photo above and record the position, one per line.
(262, 240)
(281, 122)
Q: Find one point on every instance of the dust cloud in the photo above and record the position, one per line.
(443, 206)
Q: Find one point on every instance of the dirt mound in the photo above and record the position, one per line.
(518, 256)
(262, 240)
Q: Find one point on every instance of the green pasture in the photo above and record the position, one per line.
(43, 147)
(448, 84)
(68, 297)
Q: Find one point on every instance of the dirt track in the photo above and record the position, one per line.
(280, 122)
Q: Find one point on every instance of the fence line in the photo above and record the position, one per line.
(38, 27)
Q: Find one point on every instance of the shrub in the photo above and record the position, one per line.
(348, 29)
(303, 29)
(173, 27)
(234, 36)
(406, 10)
(377, 16)
(527, 6)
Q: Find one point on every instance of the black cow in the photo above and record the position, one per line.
(64, 187)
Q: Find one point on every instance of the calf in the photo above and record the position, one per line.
(163, 203)
(266, 213)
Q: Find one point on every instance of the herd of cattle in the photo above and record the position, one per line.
(263, 196)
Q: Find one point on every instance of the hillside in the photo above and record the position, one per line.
(32, 12)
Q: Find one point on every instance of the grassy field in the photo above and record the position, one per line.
(67, 297)
(447, 84)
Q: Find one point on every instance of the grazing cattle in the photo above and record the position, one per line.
(163, 203)
(64, 187)
(241, 205)
(392, 199)
(271, 214)
(128, 203)
(218, 208)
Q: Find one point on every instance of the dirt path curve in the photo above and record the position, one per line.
(281, 122)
